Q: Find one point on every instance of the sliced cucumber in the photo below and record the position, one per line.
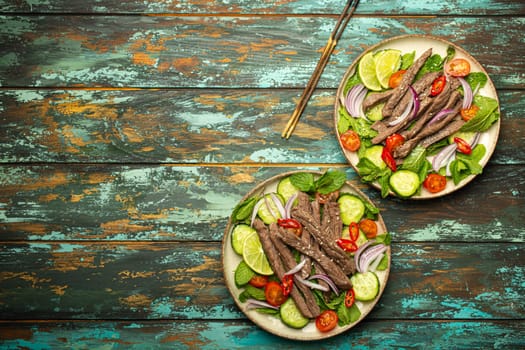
(465, 135)
(374, 155)
(286, 189)
(375, 113)
(365, 285)
(268, 211)
(352, 208)
(239, 234)
(404, 183)
(291, 315)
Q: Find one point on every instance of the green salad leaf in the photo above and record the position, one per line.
(486, 116)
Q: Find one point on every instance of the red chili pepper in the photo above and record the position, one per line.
(347, 245)
(349, 298)
(438, 85)
(353, 231)
(463, 146)
(291, 224)
(287, 284)
(389, 159)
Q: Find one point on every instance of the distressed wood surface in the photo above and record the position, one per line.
(130, 129)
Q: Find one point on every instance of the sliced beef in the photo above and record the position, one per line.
(375, 98)
(451, 128)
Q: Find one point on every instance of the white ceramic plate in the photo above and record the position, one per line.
(419, 44)
(273, 324)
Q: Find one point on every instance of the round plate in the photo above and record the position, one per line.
(273, 324)
(419, 44)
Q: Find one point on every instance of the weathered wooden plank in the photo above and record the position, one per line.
(177, 280)
(393, 7)
(238, 52)
(190, 126)
(202, 334)
(87, 202)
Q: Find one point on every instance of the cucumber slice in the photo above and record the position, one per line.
(352, 208)
(291, 315)
(239, 234)
(375, 113)
(465, 135)
(404, 183)
(286, 189)
(374, 155)
(365, 285)
(271, 214)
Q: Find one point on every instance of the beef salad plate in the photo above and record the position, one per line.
(417, 117)
(306, 255)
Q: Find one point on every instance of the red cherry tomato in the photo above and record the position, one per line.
(274, 294)
(287, 284)
(369, 228)
(458, 67)
(438, 85)
(347, 245)
(353, 231)
(435, 183)
(469, 113)
(394, 141)
(350, 140)
(349, 298)
(326, 321)
(259, 281)
(388, 159)
(395, 79)
(463, 146)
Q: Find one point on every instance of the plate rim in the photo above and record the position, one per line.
(495, 128)
(260, 187)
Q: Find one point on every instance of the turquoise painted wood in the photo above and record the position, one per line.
(130, 129)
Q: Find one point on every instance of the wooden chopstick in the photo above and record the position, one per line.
(345, 16)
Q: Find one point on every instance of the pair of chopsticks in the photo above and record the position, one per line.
(345, 16)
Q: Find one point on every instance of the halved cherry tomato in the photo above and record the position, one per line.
(274, 294)
(463, 146)
(292, 225)
(469, 113)
(347, 245)
(349, 298)
(438, 85)
(326, 321)
(394, 141)
(458, 67)
(259, 281)
(435, 183)
(353, 231)
(395, 79)
(287, 284)
(369, 228)
(388, 159)
(350, 140)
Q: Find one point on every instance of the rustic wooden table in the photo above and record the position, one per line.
(130, 129)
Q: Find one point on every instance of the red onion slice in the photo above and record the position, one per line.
(256, 209)
(254, 303)
(358, 253)
(289, 204)
(441, 114)
(312, 285)
(278, 204)
(297, 268)
(351, 101)
(403, 115)
(467, 93)
(328, 281)
(443, 156)
(369, 255)
(416, 102)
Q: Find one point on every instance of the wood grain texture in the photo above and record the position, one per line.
(227, 52)
(202, 334)
(108, 203)
(184, 280)
(190, 126)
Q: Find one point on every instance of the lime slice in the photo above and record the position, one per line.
(387, 62)
(253, 255)
(239, 234)
(367, 72)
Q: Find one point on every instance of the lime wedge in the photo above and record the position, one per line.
(367, 72)
(239, 234)
(387, 62)
(253, 255)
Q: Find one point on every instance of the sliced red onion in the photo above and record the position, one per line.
(467, 93)
(328, 281)
(441, 114)
(297, 268)
(403, 115)
(278, 204)
(369, 255)
(358, 253)
(416, 101)
(373, 266)
(254, 303)
(312, 285)
(256, 209)
(475, 140)
(270, 209)
(289, 204)
(443, 156)
(359, 103)
(352, 99)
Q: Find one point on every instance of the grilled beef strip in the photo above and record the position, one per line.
(407, 79)
(331, 224)
(451, 128)
(422, 88)
(334, 270)
(277, 265)
(375, 98)
(289, 262)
